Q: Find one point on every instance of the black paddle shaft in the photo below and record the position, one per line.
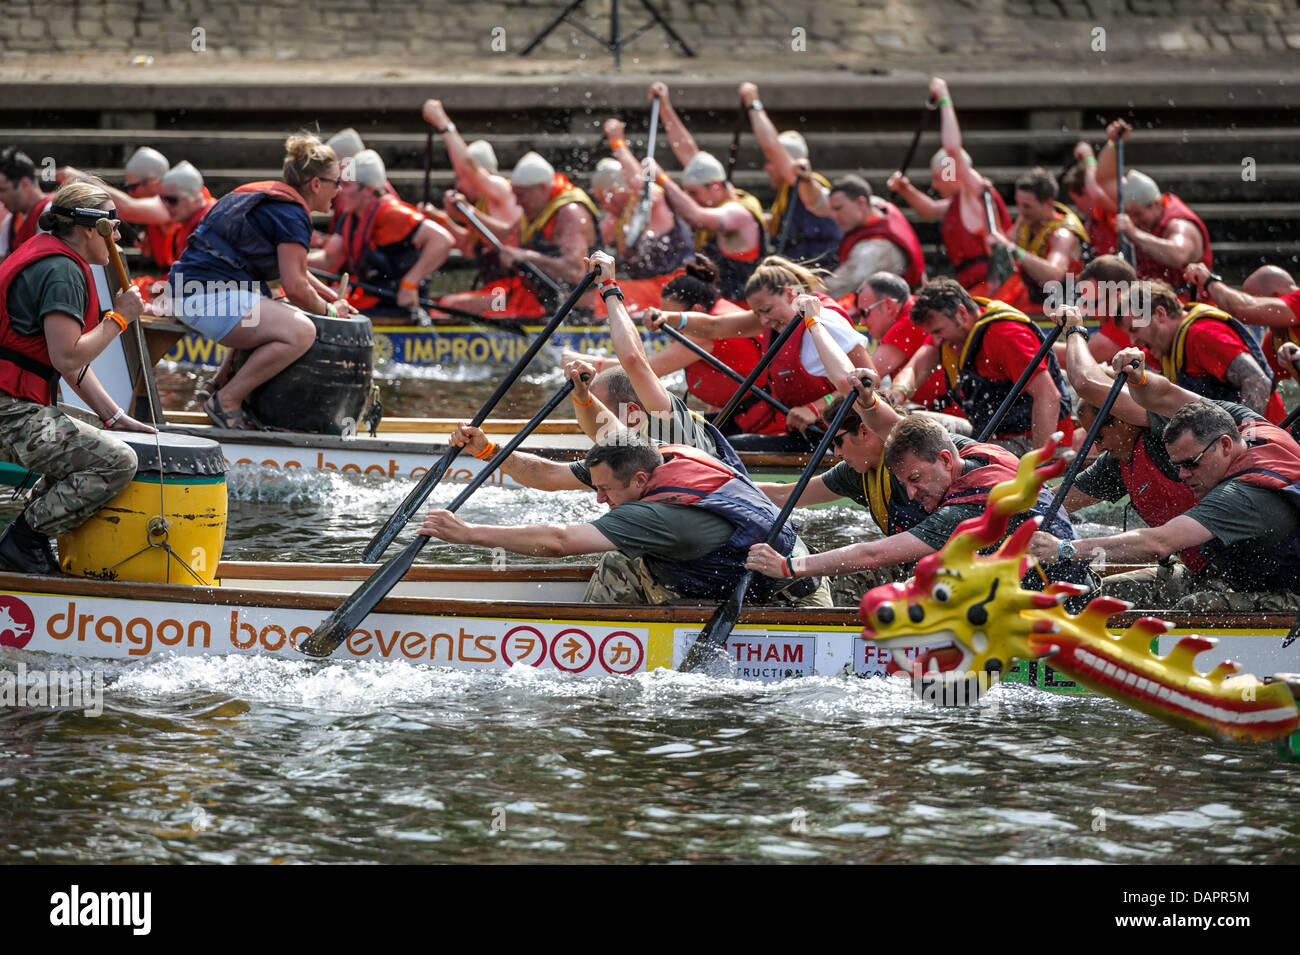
(1019, 386)
(350, 614)
(546, 286)
(1125, 247)
(930, 106)
(733, 152)
(1081, 458)
(734, 401)
(714, 635)
(379, 543)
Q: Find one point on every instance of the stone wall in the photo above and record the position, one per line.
(786, 32)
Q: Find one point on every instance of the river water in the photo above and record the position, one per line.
(261, 760)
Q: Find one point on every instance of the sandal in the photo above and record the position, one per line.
(230, 420)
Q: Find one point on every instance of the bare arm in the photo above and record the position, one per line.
(1252, 381)
(296, 280)
(816, 492)
(574, 232)
(923, 205)
(895, 549)
(918, 368)
(148, 210)
(702, 325)
(534, 540)
(1269, 312)
(1062, 249)
(1150, 389)
(766, 136)
(1182, 246)
(1093, 383)
(1143, 545)
(680, 140)
(631, 354)
(1047, 407)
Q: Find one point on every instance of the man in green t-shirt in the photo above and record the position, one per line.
(678, 528)
(1245, 530)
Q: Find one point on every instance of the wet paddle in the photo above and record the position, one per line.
(105, 228)
(1019, 386)
(379, 543)
(645, 205)
(734, 402)
(349, 614)
(1001, 265)
(546, 287)
(713, 638)
(730, 372)
(1125, 246)
(1081, 458)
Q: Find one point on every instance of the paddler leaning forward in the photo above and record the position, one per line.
(51, 325)
(949, 477)
(1246, 521)
(680, 520)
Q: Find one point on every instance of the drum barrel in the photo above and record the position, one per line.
(326, 390)
(167, 526)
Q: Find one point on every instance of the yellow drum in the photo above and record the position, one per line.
(167, 526)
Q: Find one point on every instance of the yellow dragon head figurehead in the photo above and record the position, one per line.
(971, 620)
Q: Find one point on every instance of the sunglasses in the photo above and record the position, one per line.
(1191, 464)
(335, 182)
(170, 200)
(838, 441)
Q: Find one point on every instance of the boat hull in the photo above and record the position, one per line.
(266, 609)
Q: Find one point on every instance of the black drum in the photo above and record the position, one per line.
(325, 391)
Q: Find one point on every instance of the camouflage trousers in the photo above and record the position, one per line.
(83, 467)
(622, 579)
(1170, 586)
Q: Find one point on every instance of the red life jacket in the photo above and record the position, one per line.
(1175, 208)
(690, 477)
(1271, 461)
(1156, 496)
(1001, 465)
(714, 388)
(966, 249)
(790, 382)
(23, 225)
(1102, 237)
(25, 367)
(892, 226)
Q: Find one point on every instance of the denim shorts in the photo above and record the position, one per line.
(216, 314)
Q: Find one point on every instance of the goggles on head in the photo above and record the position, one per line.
(83, 216)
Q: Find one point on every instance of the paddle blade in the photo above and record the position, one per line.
(349, 615)
(712, 641)
(410, 504)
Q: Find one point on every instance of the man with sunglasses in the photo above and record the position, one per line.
(885, 308)
(1244, 525)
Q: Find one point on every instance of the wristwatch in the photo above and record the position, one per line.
(1077, 329)
(1212, 278)
(757, 105)
(1065, 551)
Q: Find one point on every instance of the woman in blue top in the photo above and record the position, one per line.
(259, 233)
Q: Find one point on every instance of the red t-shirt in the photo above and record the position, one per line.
(1210, 347)
(1004, 352)
(908, 338)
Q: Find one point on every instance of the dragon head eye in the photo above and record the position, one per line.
(942, 593)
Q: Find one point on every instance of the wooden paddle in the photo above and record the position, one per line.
(1001, 265)
(1081, 458)
(734, 402)
(379, 543)
(713, 637)
(645, 205)
(105, 228)
(1125, 247)
(730, 372)
(548, 290)
(1019, 386)
(350, 614)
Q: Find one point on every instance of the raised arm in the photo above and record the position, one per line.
(627, 343)
(1251, 309)
(1091, 380)
(950, 130)
(680, 140)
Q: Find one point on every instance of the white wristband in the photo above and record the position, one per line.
(109, 422)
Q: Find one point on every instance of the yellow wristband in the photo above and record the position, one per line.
(487, 452)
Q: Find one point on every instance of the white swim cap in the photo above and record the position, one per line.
(608, 174)
(147, 164)
(345, 143)
(532, 170)
(366, 168)
(184, 178)
(483, 154)
(703, 169)
(1140, 189)
(794, 144)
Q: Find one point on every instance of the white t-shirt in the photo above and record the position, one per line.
(845, 335)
